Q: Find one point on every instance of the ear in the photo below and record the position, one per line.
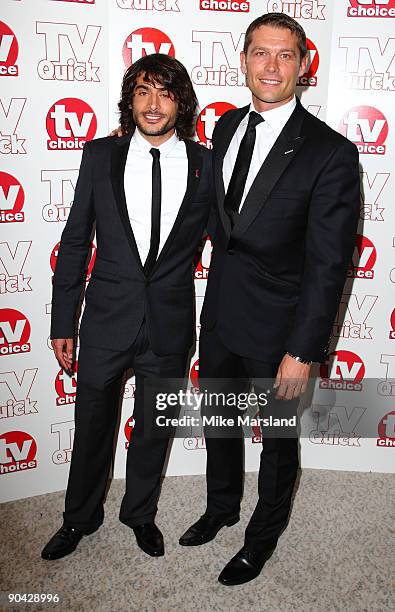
(243, 62)
(303, 64)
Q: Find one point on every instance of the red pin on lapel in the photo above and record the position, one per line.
(197, 173)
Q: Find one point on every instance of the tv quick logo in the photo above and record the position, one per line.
(146, 41)
(298, 9)
(309, 79)
(207, 121)
(8, 51)
(64, 435)
(232, 6)
(371, 191)
(364, 259)
(12, 262)
(203, 259)
(12, 199)
(10, 115)
(336, 425)
(68, 52)
(129, 425)
(342, 371)
(371, 8)
(352, 317)
(386, 431)
(61, 187)
(14, 332)
(18, 451)
(66, 386)
(369, 63)
(219, 59)
(367, 128)
(70, 122)
(54, 258)
(15, 394)
(150, 5)
(392, 324)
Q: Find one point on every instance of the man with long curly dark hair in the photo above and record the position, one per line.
(148, 192)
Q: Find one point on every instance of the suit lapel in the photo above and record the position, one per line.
(280, 156)
(221, 147)
(195, 162)
(119, 155)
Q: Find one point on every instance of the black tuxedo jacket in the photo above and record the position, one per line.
(276, 279)
(119, 294)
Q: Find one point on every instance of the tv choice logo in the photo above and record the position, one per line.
(128, 428)
(64, 434)
(66, 386)
(386, 431)
(386, 388)
(70, 123)
(342, 371)
(14, 332)
(363, 259)
(12, 262)
(77, 1)
(371, 192)
(18, 451)
(9, 50)
(12, 199)
(61, 188)
(232, 6)
(194, 374)
(353, 317)
(309, 79)
(15, 394)
(392, 323)
(207, 120)
(68, 52)
(54, 257)
(336, 425)
(203, 259)
(146, 41)
(369, 63)
(298, 9)
(367, 128)
(10, 115)
(371, 8)
(219, 59)
(150, 5)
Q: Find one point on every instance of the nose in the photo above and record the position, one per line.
(272, 63)
(154, 101)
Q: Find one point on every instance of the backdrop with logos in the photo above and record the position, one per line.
(61, 66)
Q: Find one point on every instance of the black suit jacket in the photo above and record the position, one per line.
(276, 279)
(119, 294)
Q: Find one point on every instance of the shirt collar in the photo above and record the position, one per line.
(277, 117)
(165, 148)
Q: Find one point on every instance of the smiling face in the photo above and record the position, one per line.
(272, 66)
(154, 110)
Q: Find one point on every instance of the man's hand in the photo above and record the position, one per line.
(292, 378)
(63, 349)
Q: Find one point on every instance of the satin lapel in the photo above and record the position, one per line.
(118, 161)
(195, 162)
(280, 156)
(221, 146)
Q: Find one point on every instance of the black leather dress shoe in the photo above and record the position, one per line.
(150, 539)
(244, 566)
(206, 528)
(64, 542)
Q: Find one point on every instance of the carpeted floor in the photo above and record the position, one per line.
(337, 553)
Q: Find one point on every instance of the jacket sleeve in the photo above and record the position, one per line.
(330, 240)
(68, 280)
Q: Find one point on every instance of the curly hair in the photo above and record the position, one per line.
(170, 74)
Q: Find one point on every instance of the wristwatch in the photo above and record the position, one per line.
(299, 359)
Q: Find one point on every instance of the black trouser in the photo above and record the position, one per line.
(279, 459)
(99, 382)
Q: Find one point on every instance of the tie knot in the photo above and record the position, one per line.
(155, 153)
(254, 119)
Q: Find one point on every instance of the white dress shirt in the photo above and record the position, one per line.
(138, 187)
(267, 133)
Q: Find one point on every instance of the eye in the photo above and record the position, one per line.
(285, 56)
(164, 94)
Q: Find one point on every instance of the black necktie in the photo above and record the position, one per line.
(155, 212)
(238, 179)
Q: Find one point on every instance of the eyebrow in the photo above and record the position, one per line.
(147, 87)
(260, 48)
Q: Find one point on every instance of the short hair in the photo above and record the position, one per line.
(277, 20)
(170, 74)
